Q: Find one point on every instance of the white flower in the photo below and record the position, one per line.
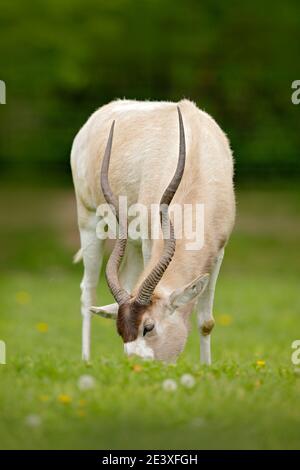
(169, 385)
(198, 422)
(187, 380)
(33, 421)
(86, 382)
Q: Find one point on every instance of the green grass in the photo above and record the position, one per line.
(234, 404)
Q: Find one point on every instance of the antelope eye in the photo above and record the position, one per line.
(148, 328)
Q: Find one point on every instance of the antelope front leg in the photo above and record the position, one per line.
(205, 312)
(92, 260)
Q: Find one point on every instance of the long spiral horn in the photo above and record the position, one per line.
(113, 264)
(148, 285)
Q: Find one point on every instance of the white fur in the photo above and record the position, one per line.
(144, 158)
(92, 261)
(205, 311)
(124, 106)
(140, 348)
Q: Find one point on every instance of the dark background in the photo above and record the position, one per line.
(62, 59)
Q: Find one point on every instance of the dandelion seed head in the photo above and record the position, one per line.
(86, 382)
(187, 380)
(33, 421)
(169, 385)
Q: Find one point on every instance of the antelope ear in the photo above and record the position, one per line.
(185, 294)
(107, 311)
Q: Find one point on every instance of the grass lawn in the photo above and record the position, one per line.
(236, 403)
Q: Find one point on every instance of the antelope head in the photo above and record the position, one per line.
(151, 326)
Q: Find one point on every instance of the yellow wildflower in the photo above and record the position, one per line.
(42, 327)
(23, 297)
(260, 363)
(137, 368)
(224, 319)
(64, 399)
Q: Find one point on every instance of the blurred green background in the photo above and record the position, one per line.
(61, 59)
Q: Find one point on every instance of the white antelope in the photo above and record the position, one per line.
(159, 282)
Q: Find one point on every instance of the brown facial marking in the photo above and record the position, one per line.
(129, 319)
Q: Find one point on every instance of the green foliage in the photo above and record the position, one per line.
(61, 59)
